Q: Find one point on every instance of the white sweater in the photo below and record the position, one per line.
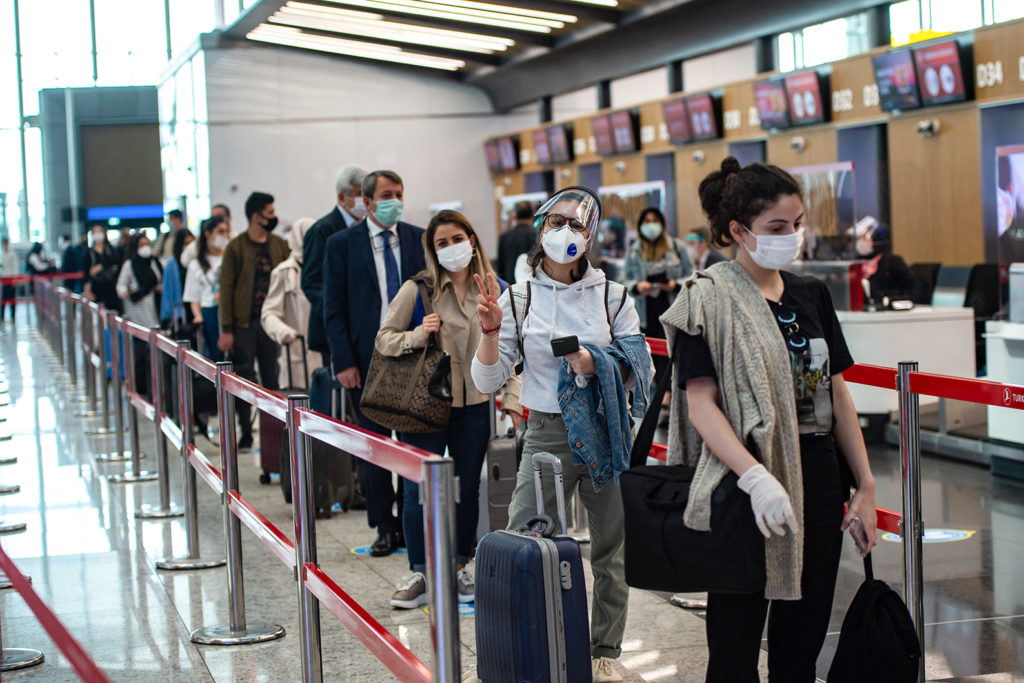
(556, 310)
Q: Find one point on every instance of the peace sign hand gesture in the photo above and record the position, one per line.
(487, 307)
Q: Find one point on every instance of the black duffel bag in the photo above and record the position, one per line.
(661, 552)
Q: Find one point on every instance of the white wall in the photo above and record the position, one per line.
(283, 121)
(639, 88)
(717, 68)
(574, 104)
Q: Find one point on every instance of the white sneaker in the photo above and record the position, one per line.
(464, 585)
(604, 671)
(412, 594)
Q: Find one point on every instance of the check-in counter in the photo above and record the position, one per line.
(1004, 351)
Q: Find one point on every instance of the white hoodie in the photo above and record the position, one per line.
(556, 310)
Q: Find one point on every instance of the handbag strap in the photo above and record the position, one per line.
(869, 574)
(428, 309)
(645, 435)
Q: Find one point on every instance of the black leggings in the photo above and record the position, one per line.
(796, 628)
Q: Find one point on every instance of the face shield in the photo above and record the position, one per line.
(576, 207)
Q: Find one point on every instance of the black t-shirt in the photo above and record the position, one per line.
(260, 280)
(817, 349)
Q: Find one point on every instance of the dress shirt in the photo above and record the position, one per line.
(377, 244)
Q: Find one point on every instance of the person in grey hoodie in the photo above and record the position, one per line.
(565, 296)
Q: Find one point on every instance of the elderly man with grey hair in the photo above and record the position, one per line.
(348, 210)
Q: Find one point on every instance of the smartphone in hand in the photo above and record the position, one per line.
(860, 537)
(565, 345)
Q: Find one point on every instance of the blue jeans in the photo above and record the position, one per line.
(466, 437)
(211, 331)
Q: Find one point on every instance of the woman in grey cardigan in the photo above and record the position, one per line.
(760, 354)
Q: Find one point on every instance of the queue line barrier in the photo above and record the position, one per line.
(101, 333)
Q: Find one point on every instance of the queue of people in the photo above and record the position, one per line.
(744, 336)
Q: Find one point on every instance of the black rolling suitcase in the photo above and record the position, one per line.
(531, 600)
(503, 454)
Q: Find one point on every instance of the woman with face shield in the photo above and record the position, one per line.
(576, 337)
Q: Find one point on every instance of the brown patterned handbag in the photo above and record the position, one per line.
(412, 392)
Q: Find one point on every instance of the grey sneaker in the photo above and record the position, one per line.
(412, 594)
(464, 585)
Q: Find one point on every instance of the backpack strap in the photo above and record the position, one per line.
(620, 291)
(516, 294)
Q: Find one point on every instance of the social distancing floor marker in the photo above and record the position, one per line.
(936, 536)
(365, 550)
(466, 609)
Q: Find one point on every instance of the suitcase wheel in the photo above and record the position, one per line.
(265, 478)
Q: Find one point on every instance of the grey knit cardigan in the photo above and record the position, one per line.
(755, 390)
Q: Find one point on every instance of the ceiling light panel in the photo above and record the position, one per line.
(283, 35)
(496, 15)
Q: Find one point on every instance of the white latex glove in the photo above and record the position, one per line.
(769, 500)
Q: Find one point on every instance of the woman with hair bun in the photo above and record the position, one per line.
(760, 354)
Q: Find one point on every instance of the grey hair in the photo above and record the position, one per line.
(347, 178)
(370, 181)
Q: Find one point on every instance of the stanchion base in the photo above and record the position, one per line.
(132, 477)
(6, 490)
(99, 431)
(115, 457)
(256, 632)
(687, 603)
(20, 658)
(12, 528)
(5, 437)
(5, 583)
(9, 460)
(154, 512)
(87, 413)
(181, 564)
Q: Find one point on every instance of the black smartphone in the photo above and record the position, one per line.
(565, 345)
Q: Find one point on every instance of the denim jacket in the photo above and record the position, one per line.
(597, 415)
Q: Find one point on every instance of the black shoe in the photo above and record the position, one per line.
(401, 539)
(386, 543)
(245, 443)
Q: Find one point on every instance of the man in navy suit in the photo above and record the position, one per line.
(363, 268)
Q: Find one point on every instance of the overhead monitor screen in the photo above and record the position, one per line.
(558, 140)
(770, 98)
(676, 121)
(541, 147)
(623, 130)
(508, 153)
(897, 82)
(805, 102)
(939, 73)
(493, 158)
(602, 129)
(703, 117)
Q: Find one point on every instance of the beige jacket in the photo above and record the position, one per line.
(460, 335)
(285, 314)
(755, 389)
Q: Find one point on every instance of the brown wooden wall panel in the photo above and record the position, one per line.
(689, 173)
(739, 112)
(854, 94)
(527, 155)
(999, 61)
(819, 147)
(936, 187)
(631, 170)
(585, 151)
(653, 131)
(565, 175)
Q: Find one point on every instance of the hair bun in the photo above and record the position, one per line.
(731, 165)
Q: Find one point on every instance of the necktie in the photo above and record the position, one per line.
(390, 266)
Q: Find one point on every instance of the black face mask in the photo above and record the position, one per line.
(271, 224)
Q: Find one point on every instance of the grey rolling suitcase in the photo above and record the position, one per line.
(503, 454)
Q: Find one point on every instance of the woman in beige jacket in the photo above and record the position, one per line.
(286, 311)
(453, 255)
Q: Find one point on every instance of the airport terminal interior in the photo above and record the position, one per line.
(154, 527)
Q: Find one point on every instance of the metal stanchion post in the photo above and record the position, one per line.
(88, 367)
(69, 338)
(437, 494)
(188, 475)
(912, 526)
(118, 454)
(103, 387)
(137, 474)
(304, 519)
(236, 631)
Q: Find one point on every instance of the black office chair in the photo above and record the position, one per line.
(982, 294)
(925, 274)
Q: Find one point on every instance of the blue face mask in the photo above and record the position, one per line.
(388, 212)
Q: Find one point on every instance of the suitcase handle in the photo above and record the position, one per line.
(556, 464)
(305, 362)
(541, 524)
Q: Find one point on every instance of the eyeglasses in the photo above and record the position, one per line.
(795, 339)
(557, 221)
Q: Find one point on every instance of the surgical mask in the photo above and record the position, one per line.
(358, 209)
(145, 252)
(219, 241)
(651, 231)
(456, 257)
(388, 212)
(865, 247)
(776, 251)
(564, 245)
(271, 224)
(98, 237)
(693, 252)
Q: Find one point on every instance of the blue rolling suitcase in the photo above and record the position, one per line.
(531, 600)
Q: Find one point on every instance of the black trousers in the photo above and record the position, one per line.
(8, 293)
(378, 488)
(796, 628)
(252, 346)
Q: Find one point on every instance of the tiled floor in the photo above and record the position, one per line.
(92, 562)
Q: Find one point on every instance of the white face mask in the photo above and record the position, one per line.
(693, 252)
(564, 245)
(219, 241)
(98, 237)
(456, 257)
(651, 231)
(358, 209)
(776, 251)
(146, 251)
(865, 247)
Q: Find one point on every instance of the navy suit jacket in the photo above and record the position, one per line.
(352, 297)
(312, 281)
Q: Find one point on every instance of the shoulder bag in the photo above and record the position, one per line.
(412, 392)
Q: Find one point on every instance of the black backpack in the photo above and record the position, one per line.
(878, 642)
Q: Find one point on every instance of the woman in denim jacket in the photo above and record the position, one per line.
(566, 296)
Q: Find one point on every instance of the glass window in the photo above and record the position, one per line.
(821, 43)
(189, 18)
(1007, 10)
(55, 54)
(904, 21)
(825, 42)
(787, 53)
(131, 42)
(36, 206)
(955, 15)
